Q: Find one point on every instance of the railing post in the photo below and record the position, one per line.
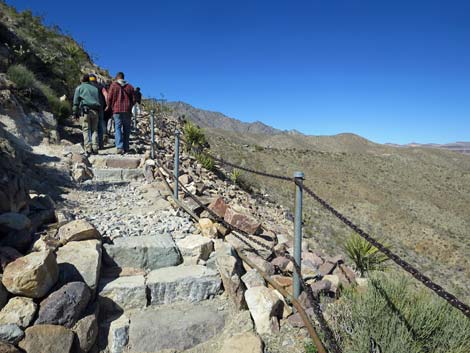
(177, 164)
(299, 177)
(152, 134)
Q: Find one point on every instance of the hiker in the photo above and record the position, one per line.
(137, 109)
(86, 106)
(121, 100)
(101, 126)
(108, 114)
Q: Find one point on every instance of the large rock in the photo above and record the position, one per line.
(32, 275)
(13, 221)
(230, 270)
(154, 330)
(17, 239)
(218, 206)
(242, 221)
(247, 342)
(208, 228)
(77, 230)
(64, 306)
(86, 333)
(258, 261)
(80, 261)
(19, 311)
(264, 304)
(122, 293)
(8, 255)
(146, 252)
(47, 339)
(11, 333)
(182, 283)
(194, 248)
(248, 244)
(118, 335)
(252, 278)
(8, 348)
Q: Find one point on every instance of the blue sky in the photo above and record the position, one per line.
(391, 71)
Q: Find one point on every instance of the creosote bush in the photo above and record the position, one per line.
(393, 316)
(365, 256)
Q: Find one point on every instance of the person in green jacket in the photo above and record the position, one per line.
(86, 106)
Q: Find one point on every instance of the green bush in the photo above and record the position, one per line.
(365, 256)
(393, 316)
(194, 136)
(21, 76)
(235, 176)
(206, 161)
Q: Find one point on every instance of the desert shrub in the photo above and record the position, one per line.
(21, 76)
(392, 315)
(206, 161)
(194, 136)
(365, 256)
(310, 348)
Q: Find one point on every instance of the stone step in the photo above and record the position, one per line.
(142, 252)
(117, 174)
(116, 161)
(191, 283)
(122, 293)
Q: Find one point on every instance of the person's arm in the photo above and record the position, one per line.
(76, 103)
(111, 97)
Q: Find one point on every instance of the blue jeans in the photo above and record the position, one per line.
(122, 127)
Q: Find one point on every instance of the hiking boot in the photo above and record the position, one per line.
(119, 151)
(94, 152)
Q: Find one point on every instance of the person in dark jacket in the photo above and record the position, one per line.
(86, 106)
(101, 126)
(137, 108)
(121, 99)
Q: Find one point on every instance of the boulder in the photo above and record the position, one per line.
(19, 311)
(247, 342)
(185, 179)
(13, 221)
(258, 261)
(17, 239)
(280, 262)
(182, 283)
(242, 221)
(154, 330)
(11, 333)
(64, 306)
(316, 260)
(146, 252)
(32, 275)
(118, 335)
(122, 293)
(8, 348)
(208, 228)
(86, 333)
(230, 270)
(218, 206)
(77, 230)
(264, 304)
(8, 255)
(326, 268)
(253, 279)
(195, 247)
(248, 244)
(80, 261)
(47, 338)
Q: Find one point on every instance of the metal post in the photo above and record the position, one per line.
(299, 176)
(177, 163)
(152, 133)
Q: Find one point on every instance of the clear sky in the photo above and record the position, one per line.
(391, 71)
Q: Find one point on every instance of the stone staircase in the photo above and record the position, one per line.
(116, 168)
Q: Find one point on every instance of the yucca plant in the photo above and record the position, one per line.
(194, 136)
(235, 176)
(206, 161)
(365, 256)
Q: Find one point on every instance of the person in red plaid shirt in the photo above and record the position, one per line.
(121, 99)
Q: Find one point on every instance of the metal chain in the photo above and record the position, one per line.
(450, 298)
(310, 296)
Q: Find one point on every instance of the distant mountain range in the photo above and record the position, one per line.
(216, 120)
(460, 147)
(268, 136)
